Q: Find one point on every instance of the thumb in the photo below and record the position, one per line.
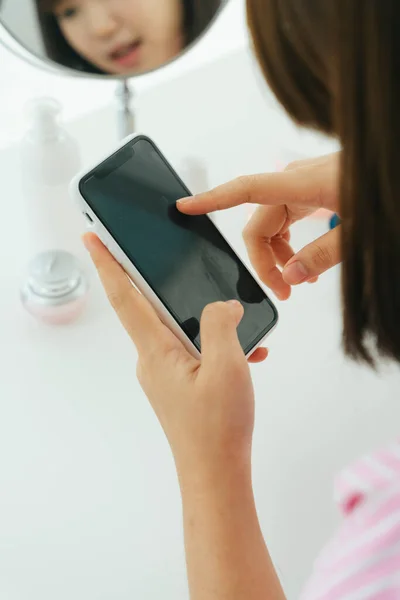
(218, 329)
(314, 259)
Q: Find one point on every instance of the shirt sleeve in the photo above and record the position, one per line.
(362, 562)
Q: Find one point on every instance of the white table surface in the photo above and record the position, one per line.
(89, 502)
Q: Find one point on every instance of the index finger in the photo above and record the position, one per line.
(294, 187)
(135, 313)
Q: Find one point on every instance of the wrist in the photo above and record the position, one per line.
(218, 475)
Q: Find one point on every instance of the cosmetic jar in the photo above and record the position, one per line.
(56, 288)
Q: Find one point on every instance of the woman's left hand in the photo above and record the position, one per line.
(206, 407)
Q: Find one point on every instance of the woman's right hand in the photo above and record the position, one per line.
(284, 198)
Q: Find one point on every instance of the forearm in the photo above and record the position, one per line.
(227, 558)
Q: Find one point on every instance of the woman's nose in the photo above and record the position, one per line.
(102, 22)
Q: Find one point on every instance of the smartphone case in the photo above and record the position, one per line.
(139, 282)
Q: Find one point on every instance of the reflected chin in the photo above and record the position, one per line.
(111, 68)
(115, 70)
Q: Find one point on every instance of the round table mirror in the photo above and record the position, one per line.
(105, 38)
(119, 38)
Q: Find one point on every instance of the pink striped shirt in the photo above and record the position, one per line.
(362, 562)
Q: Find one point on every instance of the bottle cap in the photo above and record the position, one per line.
(54, 277)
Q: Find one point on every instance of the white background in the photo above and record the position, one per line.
(89, 502)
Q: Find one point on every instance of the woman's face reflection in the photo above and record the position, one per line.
(123, 36)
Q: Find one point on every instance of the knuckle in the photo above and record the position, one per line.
(253, 236)
(245, 185)
(322, 256)
(213, 198)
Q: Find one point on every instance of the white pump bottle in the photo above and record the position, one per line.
(50, 158)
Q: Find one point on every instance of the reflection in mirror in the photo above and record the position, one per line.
(108, 37)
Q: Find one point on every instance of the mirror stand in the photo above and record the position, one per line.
(125, 115)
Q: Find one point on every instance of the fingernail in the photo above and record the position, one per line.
(238, 308)
(234, 303)
(295, 273)
(185, 200)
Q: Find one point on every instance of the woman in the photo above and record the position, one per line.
(117, 37)
(334, 65)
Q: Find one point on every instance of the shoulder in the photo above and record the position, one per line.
(363, 559)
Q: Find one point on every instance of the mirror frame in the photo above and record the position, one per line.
(18, 49)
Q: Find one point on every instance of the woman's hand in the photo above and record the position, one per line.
(285, 198)
(205, 408)
(207, 411)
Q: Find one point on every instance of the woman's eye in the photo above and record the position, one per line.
(67, 13)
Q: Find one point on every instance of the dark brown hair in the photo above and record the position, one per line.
(335, 66)
(198, 14)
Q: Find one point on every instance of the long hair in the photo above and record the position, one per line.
(196, 17)
(335, 65)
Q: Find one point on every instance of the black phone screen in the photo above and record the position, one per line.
(184, 259)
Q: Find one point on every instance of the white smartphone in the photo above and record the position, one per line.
(179, 263)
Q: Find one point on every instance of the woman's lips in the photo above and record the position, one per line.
(127, 56)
